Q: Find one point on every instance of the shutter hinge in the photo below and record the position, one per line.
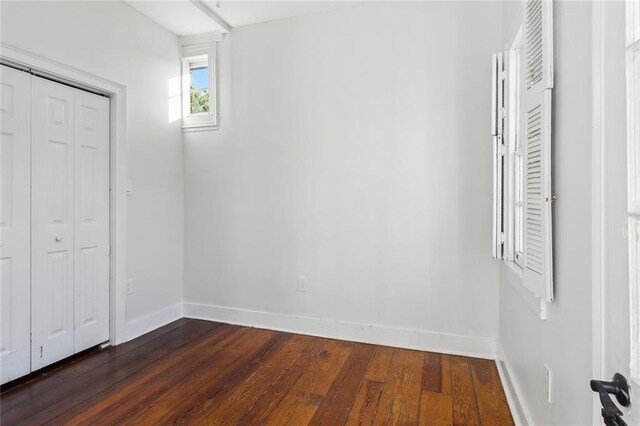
(502, 238)
(503, 75)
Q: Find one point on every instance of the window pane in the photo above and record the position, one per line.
(519, 178)
(518, 88)
(199, 90)
(633, 165)
(634, 278)
(519, 208)
(518, 228)
(633, 80)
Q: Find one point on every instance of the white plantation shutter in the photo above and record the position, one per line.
(538, 84)
(538, 44)
(497, 131)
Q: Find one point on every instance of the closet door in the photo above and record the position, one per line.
(91, 252)
(52, 152)
(15, 213)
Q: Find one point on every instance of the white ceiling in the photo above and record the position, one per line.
(238, 13)
(188, 17)
(180, 17)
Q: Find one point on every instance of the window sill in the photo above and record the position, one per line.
(514, 268)
(514, 276)
(199, 128)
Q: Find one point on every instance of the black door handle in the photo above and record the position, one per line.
(619, 387)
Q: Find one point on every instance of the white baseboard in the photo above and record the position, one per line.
(519, 410)
(149, 322)
(424, 340)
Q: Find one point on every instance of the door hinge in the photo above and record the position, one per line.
(41, 350)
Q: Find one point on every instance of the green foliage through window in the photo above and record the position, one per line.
(199, 101)
(199, 74)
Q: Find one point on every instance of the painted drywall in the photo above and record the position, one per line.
(563, 340)
(353, 150)
(115, 42)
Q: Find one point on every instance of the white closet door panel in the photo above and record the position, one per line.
(52, 145)
(91, 255)
(15, 322)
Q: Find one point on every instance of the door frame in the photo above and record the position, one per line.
(601, 368)
(117, 94)
(597, 203)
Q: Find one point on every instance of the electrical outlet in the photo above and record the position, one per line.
(547, 383)
(302, 283)
(129, 286)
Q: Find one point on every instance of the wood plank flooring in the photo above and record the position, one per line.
(200, 372)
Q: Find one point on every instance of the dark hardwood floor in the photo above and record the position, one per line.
(199, 372)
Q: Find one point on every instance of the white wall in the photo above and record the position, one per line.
(115, 42)
(353, 150)
(563, 341)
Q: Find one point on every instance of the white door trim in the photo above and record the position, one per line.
(117, 94)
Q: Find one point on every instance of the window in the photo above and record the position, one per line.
(633, 171)
(522, 91)
(199, 92)
(508, 155)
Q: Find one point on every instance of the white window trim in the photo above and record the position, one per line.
(202, 52)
